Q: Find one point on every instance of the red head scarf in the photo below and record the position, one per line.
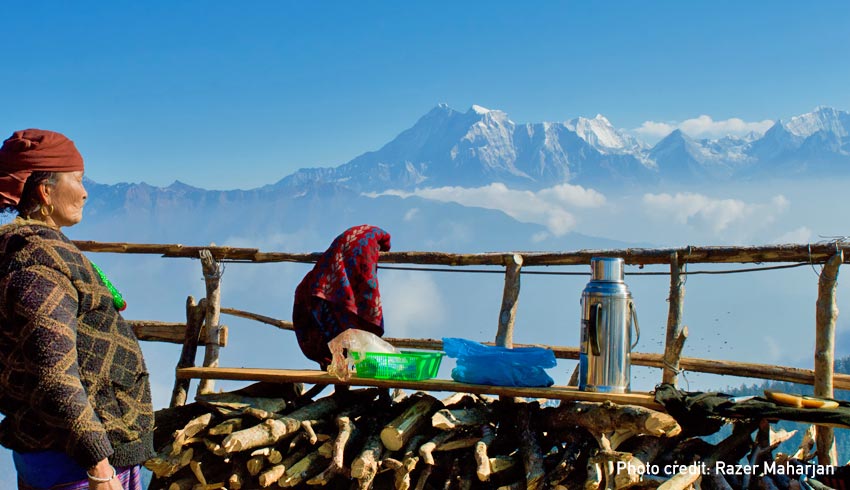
(34, 150)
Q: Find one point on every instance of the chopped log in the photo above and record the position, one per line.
(611, 424)
(233, 404)
(255, 464)
(214, 447)
(456, 444)
(295, 457)
(427, 449)
(345, 429)
(326, 450)
(194, 427)
(237, 479)
(305, 468)
(273, 430)
(482, 461)
(532, 455)
(676, 335)
(455, 399)
(307, 425)
(195, 466)
(510, 298)
(274, 456)
(826, 316)
(804, 451)
(446, 419)
(643, 454)
(365, 466)
(408, 463)
(263, 451)
(272, 475)
(212, 280)
(395, 434)
(225, 428)
(165, 465)
(194, 322)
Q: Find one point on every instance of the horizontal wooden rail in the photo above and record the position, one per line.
(171, 332)
(321, 377)
(174, 332)
(815, 253)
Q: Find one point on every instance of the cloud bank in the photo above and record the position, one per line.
(700, 211)
(552, 207)
(703, 127)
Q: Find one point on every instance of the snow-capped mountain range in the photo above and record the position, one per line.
(481, 146)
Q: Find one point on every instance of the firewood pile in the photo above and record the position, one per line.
(368, 439)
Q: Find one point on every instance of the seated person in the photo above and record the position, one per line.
(341, 292)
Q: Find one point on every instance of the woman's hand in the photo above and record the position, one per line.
(103, 471)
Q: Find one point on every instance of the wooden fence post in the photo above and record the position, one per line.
(194, 321)
(826, 314)
(676, 333)
(510, 298)
(212, 280)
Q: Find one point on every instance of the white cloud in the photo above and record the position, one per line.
(800, 235)
(701, 211)
(410, 214)
(539, 237)
(548, 207)
(412, 303)
(703, 127)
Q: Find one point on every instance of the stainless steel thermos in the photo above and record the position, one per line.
(607, 313)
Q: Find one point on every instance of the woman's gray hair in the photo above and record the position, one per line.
(30, 202)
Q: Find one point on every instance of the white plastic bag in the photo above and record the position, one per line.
(354, 340)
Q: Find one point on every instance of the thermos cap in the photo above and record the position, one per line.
(610, 269)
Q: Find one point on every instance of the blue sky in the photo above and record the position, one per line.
(239, 94)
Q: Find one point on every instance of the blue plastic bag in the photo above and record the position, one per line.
(490, 365)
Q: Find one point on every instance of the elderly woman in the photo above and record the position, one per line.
(73, 386)
(340, 292)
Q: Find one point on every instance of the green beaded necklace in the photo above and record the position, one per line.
(117, 299)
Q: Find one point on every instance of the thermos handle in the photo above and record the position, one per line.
(635, 321)
(593, 334)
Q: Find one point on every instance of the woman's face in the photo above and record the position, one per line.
(67, 197)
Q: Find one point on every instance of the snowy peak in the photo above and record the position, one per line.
(481, 146)
(821, 119)
(601, 134)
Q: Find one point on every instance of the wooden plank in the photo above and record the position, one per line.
(321, 377)
(817, 253)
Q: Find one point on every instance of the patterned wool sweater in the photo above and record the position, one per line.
(72, 377)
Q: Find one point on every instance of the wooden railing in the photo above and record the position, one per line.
(829, 255)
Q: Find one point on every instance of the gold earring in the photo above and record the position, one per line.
(45, 211)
